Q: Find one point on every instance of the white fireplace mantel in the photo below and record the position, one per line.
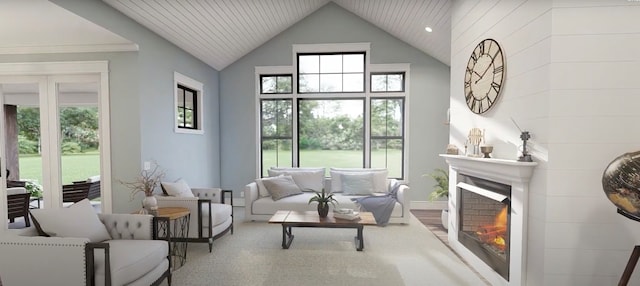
(499, 170)
(510, 172)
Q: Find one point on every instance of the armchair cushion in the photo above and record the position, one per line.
(179, 188)
(125, 267)
(77, 220)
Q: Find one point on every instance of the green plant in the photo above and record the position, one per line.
(323, 198)
(441, 188)
(33, 188)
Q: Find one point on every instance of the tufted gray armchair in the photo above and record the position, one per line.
(211, 214)
(131, 257)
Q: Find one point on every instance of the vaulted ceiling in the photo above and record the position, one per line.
(219, 32)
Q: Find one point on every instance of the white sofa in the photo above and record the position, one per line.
(260, 208)
(134, 258)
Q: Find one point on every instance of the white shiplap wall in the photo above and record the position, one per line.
(571, 81)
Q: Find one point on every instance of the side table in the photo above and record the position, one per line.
(174, 226)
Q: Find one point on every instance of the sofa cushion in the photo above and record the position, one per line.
(380, 183)
(281, 187)
(179, 188)
(130, 259)
(309, 180)
(77, 220)
(266, 206)
(357, 183)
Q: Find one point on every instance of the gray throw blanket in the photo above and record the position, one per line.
(380, 206)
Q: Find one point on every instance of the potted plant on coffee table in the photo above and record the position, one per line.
(441, 190)
(323, 199)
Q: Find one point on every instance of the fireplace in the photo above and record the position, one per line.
(490, 196)
(484, 221)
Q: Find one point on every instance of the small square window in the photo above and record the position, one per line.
(274, 84)
(387, 82)
(188, 105)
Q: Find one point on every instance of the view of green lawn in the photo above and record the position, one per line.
(75, 167)
(336, 159)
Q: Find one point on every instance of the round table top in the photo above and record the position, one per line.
(173, 212)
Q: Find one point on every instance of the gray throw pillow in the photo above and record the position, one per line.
(281, 187)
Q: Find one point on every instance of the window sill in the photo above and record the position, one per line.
(188, 131)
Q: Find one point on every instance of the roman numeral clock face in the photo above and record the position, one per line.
(484, 76)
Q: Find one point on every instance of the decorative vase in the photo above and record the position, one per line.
(445, 218)
(621, 182)
(150, 204)
(323, 210)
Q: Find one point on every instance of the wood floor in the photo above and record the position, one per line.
(431, 219)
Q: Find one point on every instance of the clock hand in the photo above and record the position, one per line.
(485, 71)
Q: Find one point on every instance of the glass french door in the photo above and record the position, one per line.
(65, 107)
(49, 125)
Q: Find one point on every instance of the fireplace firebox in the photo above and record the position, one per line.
(484, 224)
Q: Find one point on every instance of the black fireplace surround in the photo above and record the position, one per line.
(484, 222)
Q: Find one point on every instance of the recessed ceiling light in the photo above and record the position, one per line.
(428, 29)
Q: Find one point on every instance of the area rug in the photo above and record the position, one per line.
(393, 255)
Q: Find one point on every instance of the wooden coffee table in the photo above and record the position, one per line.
(289, 219)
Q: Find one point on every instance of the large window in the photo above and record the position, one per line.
(340, 112)
(387, 134)
(276, 133)
(331, 130)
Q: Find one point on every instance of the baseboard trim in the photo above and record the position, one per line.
(428, 205)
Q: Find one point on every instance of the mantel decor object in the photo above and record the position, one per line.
(475, 138)
(526, 157)
(486, 150)
(524, 135)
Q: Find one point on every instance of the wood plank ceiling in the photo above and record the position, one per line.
(219, 32)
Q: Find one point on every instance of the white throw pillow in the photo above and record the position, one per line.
(357, 183)
(380, 184)
(309, 180)
(262, 190)
(77, 220)
(282, 187)
(179, 188)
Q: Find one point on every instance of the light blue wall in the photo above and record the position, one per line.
(141, 90)
(332, 24)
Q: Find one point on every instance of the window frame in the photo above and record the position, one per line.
(401, 137)
(276, 76)
(364, 71)
(367, 95)
(193, 85)
(387, 85)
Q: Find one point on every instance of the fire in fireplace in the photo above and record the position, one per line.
(484, 221)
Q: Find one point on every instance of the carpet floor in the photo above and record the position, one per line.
(393, 255)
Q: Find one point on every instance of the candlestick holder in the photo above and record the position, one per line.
(526, 157)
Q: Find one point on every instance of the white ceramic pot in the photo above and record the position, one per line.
(150, 203)
(445, 218)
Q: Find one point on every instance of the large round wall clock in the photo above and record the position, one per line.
(484, 76)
